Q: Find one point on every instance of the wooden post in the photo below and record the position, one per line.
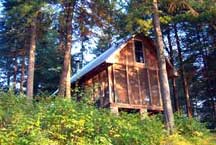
(160, 99)
(114, 110)
(140, 95)
(114, 83)
(127, 79)
(143, 113)
(149, 86)
(110, 83)
(101, 88)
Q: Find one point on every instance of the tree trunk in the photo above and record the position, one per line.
(8, 79)
(31, 68)
(184, 80)
(68, 83)
(165, 91)
(8, 74)
(65, 85)
(175, 93)
(15, 74)
(62, 50)
(22, 74)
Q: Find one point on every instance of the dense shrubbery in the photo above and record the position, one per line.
(62, 122)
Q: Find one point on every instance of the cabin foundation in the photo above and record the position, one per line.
(114, 110)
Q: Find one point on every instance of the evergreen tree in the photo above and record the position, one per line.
(23, 20)
(85, 15)
(165, 92)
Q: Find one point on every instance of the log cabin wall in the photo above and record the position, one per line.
(136, 83)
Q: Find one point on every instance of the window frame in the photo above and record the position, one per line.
(143, 51)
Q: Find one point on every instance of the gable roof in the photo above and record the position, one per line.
(101, 59)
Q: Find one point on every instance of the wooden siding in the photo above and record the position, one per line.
(136, 83)
(127, 83)
(154, 88)
(98, 87)
(120, 84)
(134, 86)
(144, 86)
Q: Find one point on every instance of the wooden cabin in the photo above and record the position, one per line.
(126, 76)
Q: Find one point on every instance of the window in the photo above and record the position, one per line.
(139, 55)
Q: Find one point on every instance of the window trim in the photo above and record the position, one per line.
(134, 51)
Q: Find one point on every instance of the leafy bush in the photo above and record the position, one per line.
(191, 129)
(62, 122)
(58, 121)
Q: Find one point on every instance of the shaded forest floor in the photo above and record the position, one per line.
(58, 121)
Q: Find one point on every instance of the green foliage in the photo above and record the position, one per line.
(191, 129)
(58, 121)
(62, 122)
